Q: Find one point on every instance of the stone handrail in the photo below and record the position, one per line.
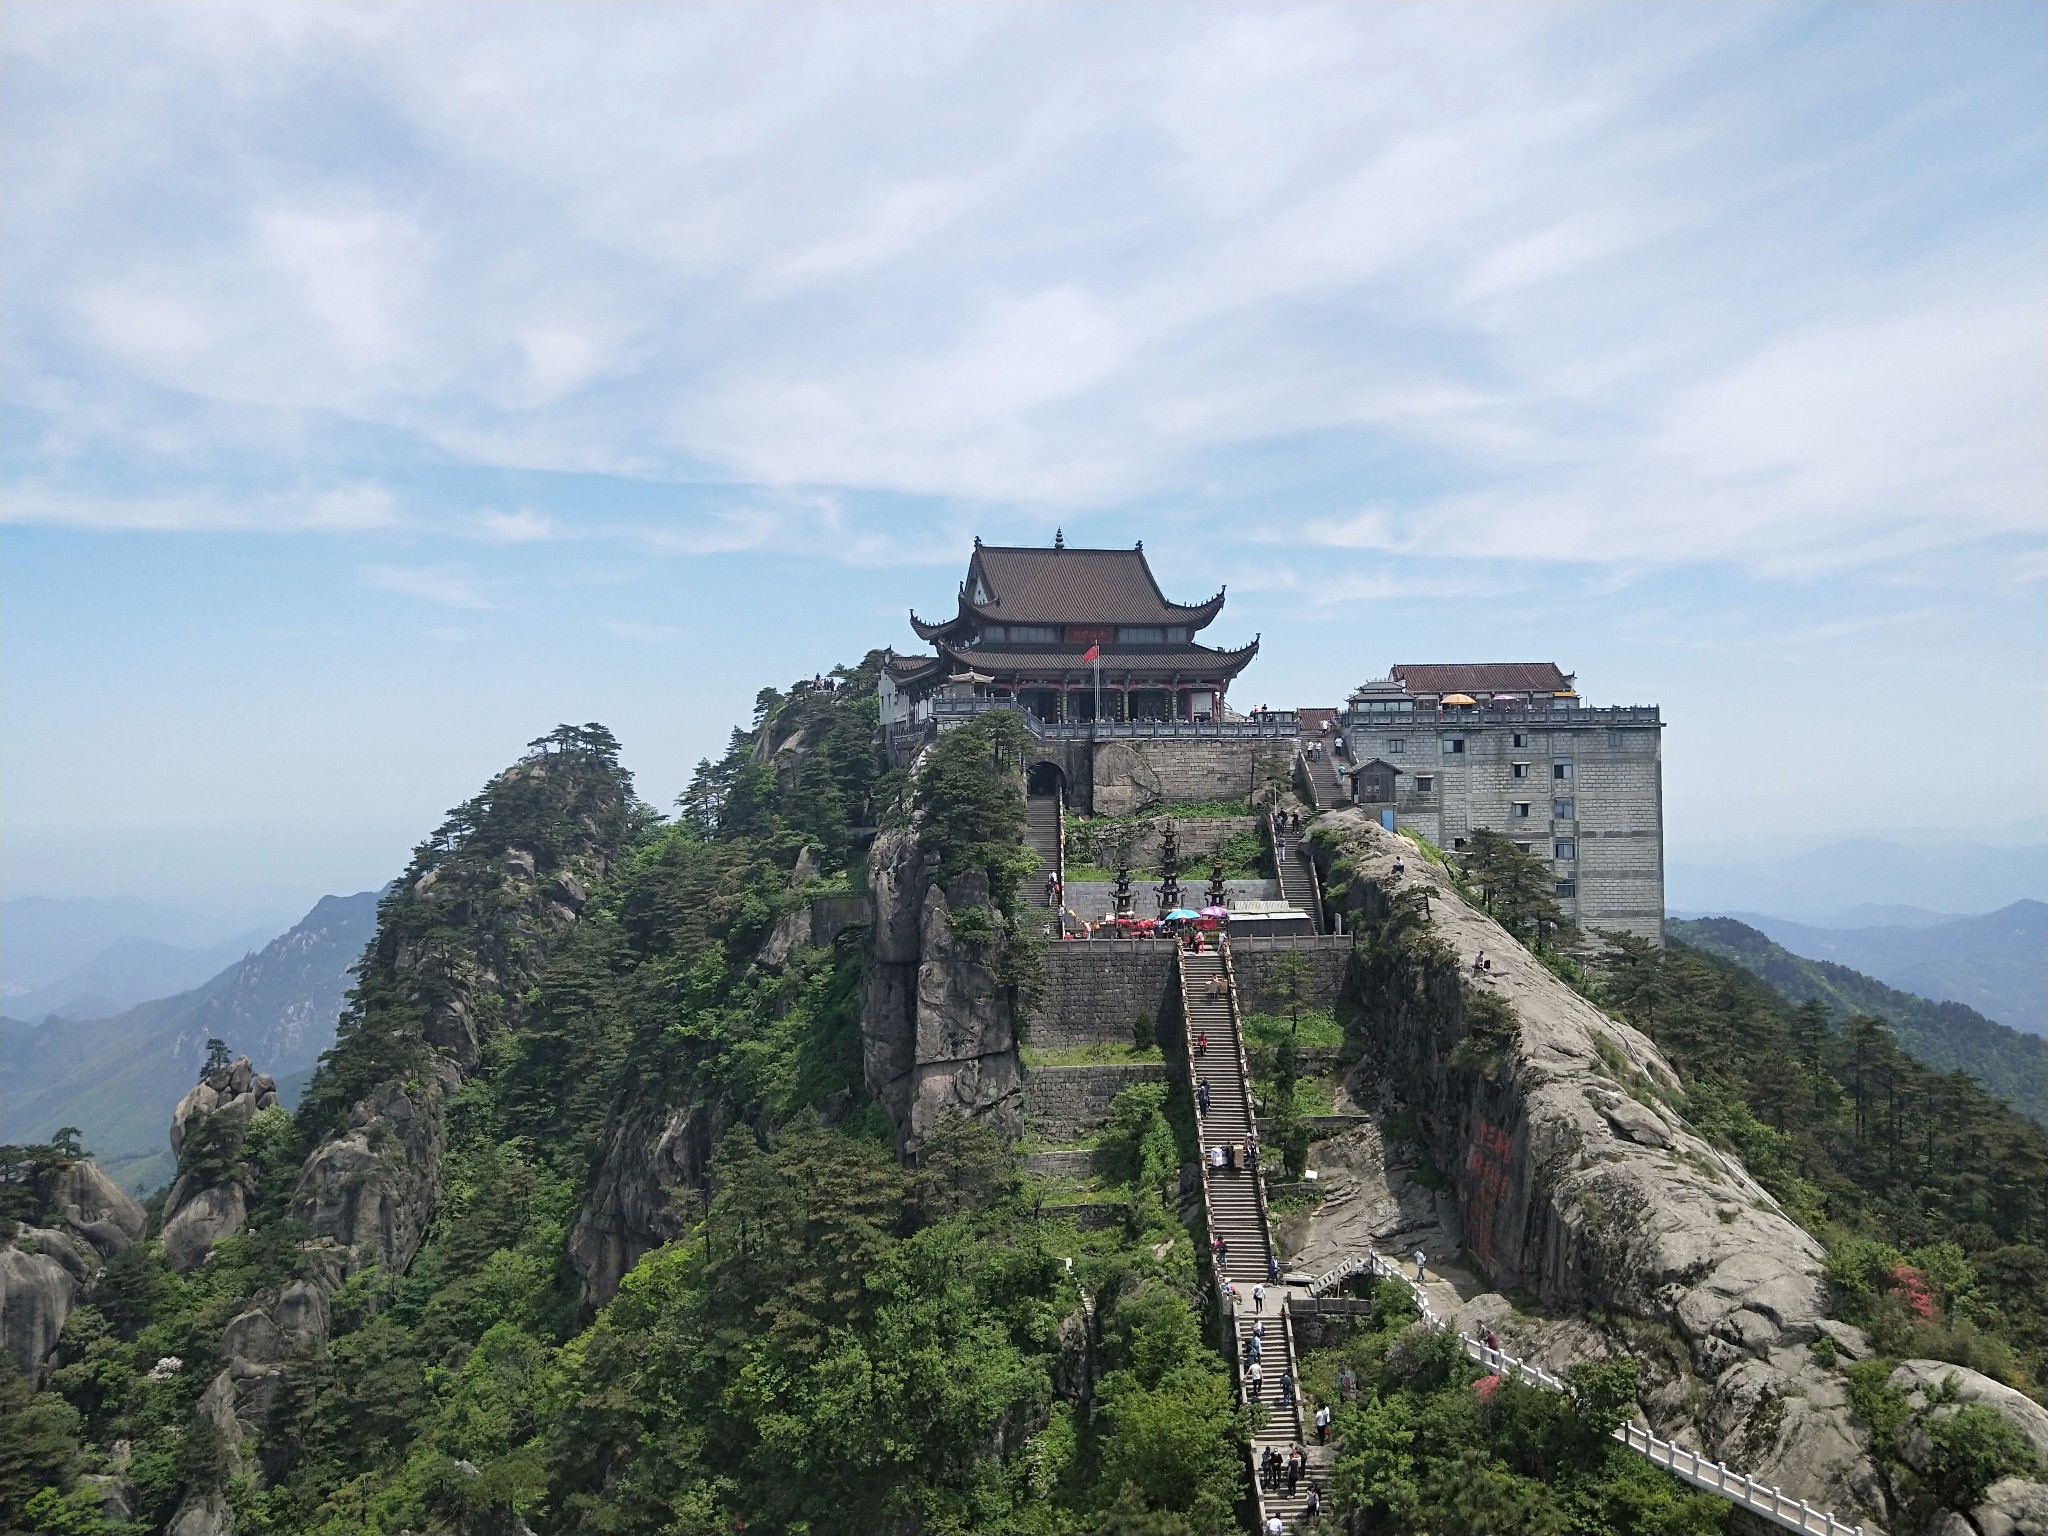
(1684, 1463)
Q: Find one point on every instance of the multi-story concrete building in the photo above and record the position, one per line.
(1445, 750)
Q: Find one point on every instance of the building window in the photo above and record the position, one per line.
(1519, 770)
(1396, 745)
(1617, 740)
(1521, 810)
(1425, 782)
(1454, 746)
(1525, 847)
(1457, 843)
(1521, 740)
(1568, 887)
(1140, 634)
(1034, 634)
(1562, 769)
(1564, 810)
(1176, 634)
(1567, 848)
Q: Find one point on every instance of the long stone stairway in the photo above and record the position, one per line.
(1297, 879)
(1326, 790)
(1043, 832)
(1236, 1205)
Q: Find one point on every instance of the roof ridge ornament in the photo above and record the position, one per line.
(1059, 538)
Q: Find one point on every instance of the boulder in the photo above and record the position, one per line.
(1920, 1380)
(203, 1514)
(98, 1209)
(2013, 1506)
(40, 1281)
(202, 1220)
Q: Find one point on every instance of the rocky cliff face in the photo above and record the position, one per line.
(46, 1269)
(634, 1205)
(1573, 1178)
(938, 1030)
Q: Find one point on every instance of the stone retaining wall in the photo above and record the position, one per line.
(1068, 1103)
(1254, 960)
(1136, 775)
(1198, 836)
(1077, 1164)
(1095, 988)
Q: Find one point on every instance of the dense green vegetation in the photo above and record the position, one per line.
(1432, 1443)
(1947, 1036)
(1930, 1192)
(833, 1343)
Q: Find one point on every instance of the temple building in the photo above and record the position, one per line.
(1054, 629)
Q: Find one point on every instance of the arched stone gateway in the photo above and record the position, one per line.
(1046, 778)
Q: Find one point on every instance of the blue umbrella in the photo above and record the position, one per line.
(1182, 914)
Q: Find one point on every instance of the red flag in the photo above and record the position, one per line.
(1093, 653)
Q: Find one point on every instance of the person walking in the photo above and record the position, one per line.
(1255, 1348)
(1253, 1378)
(1272, 1269)
(1418, 1266)
(1258, 1298)
(1314, 1507)
(1202, 1095)
(1294, 1465)
(1322, 1423)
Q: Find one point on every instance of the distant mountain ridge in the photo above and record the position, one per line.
(1946, 1036)
(1817, 885)
(1996, 962)
(117, 1079)
(132, 970)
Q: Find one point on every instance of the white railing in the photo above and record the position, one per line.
(1681, 1461)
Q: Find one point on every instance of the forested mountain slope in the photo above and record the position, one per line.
(1945, 1036)
(400, 1337)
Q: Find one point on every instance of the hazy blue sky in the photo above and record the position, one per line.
(382, 386)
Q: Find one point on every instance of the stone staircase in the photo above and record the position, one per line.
(1044, 833)
(1297, 877)
(1325, 789)
(1236, 1206)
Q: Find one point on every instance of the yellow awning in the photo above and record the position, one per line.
(1564, 694)
(1459, 698)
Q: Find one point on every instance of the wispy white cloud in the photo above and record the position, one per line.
(343, 509)
(444, 586)
(523, 526)
(1635, 285)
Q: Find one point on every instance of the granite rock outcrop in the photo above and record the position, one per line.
(85, 1220)
(209, 1200)
(938, 1027)
(1572, 1175)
